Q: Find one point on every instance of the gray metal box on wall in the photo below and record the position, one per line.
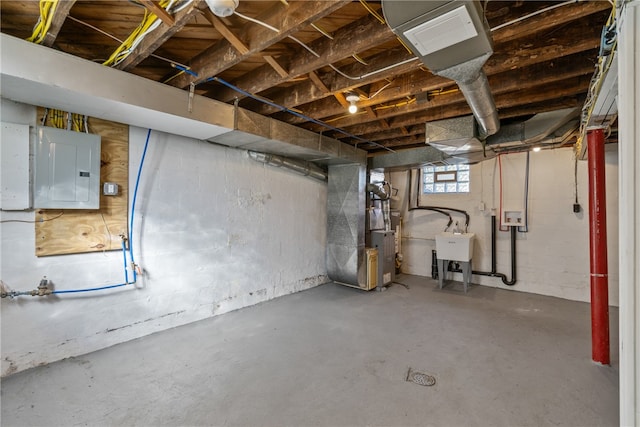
(67, 169)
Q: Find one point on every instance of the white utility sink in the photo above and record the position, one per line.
(454, 246)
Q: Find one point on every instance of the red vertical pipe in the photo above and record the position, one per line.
(598, 247)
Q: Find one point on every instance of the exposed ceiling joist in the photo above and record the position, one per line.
(59, 16)
(288, 19)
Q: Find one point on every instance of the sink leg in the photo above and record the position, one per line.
(466, 274)
(442, 271)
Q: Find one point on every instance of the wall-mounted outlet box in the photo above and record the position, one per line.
(110, 189)
(513, 218)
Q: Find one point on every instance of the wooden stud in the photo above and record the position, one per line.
(293, 17)
(226, 32)
(155, 8)
(59, 16)
(158, 37)
(277, 67)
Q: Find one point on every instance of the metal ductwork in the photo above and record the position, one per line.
(300, 166)
(103, 92)
(457, 139)
(346, 203)
(453, 39)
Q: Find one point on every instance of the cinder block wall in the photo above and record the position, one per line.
(553, 256)
(214, 231)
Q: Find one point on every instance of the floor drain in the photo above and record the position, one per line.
(420, 378)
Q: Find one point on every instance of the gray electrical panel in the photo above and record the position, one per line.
(67, 169)
(384, 242)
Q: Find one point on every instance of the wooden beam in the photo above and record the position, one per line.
(315, 79)
(59, 16)
(581, 36)
(363, 34)
(226, 32)
(342, 100)
(157, 37)
(276, 66)
(372, 114)
(544, 22)
(288, 19)
(537, 94)
(564, 52)
(306, 92)
(155, 8)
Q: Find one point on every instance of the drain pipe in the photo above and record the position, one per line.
(493, 272)
(598, 247)
(299, 166)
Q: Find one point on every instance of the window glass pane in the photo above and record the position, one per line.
(445, 176)
(446, 179)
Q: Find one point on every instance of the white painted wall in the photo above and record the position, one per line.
(553, 257)
(214, 231)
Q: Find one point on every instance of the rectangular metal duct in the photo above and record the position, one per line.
(453, 39)
(346, 202)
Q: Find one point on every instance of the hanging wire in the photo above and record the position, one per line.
(162, 58)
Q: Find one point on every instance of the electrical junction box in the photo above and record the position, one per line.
(513, 218)
(110, 189)
(67, 169)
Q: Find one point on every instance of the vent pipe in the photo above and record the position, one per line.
(453, 39)
(300, 166)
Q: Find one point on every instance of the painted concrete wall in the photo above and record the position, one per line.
(553, 256)
(214, 231)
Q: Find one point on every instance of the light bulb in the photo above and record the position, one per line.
(536, 149)
(352, 99)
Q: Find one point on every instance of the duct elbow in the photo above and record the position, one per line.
(478, 95)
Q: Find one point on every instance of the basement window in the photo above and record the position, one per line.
(445, 179)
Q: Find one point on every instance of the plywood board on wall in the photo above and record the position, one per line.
(73, 231)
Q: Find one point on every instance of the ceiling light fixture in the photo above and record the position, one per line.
(536, 149)
(222, 8)
(352, 99)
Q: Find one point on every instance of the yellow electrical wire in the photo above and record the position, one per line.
(125, 48)
(372, 11)
(399, 104)
(596, 84)
(359, 59)
(322, 31)
(47, 11)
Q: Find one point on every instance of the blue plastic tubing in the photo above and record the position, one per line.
(133, 209)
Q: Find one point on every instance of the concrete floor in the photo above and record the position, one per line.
(335, 356)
